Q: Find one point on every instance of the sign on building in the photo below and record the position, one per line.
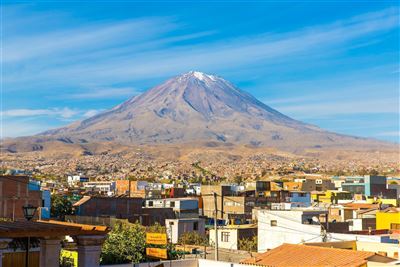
(156, 238)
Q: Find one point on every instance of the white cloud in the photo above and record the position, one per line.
(100, 93)
(122, 61)
(80, 39)
(91, 113)
(62, 113)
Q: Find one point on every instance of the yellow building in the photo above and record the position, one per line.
(387, 217)
(331, 196)
(389, 201)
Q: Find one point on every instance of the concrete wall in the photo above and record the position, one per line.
(184, 263)
(392, 250)
(209, 263)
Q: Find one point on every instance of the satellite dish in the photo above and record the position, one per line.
(315, 219)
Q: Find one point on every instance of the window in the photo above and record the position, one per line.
(150, 203)
(171, 223)
(225, 236)
(172, 204)
(274, 223)
(195, 226)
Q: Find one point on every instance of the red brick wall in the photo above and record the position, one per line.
(14, 194)
(111, 206)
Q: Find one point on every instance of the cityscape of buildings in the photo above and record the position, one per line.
(337, 220)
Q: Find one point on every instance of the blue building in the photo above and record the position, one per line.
(300, 199)
(368, 185)
(46, 198)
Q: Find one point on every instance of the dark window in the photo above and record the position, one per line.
(172, 204)
(274, 223)
(225, 236)
(150, 203)
(195, 226)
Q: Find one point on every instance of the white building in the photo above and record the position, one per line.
(103, 187)
(176, 227)
(183, 207)
(276, 227)
(229, 236)
(297, 226)
(75, 179)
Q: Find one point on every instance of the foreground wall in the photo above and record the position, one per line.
(183, 263)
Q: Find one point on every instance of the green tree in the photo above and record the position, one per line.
(373, 172)
(156, 228)
(238, 179)
(125, 243)
(192, 238)
(60, 206)
(248, 244)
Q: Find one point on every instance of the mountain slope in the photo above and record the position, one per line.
(196, 107)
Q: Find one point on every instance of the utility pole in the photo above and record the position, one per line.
(215, 226)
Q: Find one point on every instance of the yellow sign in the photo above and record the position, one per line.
(156, 238)
(160, 253)
(70, 257)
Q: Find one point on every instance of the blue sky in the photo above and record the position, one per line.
(331, 63)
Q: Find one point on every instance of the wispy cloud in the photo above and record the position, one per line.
(64, 113)
(99, 63)
(99, 93)
(83, 39)
(91, 112)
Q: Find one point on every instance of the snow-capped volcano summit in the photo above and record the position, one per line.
(200, 75)
(199, 107)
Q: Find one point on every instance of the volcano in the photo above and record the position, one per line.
(198, 107)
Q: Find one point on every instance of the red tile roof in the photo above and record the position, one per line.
(300, 255)
(48, 228)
